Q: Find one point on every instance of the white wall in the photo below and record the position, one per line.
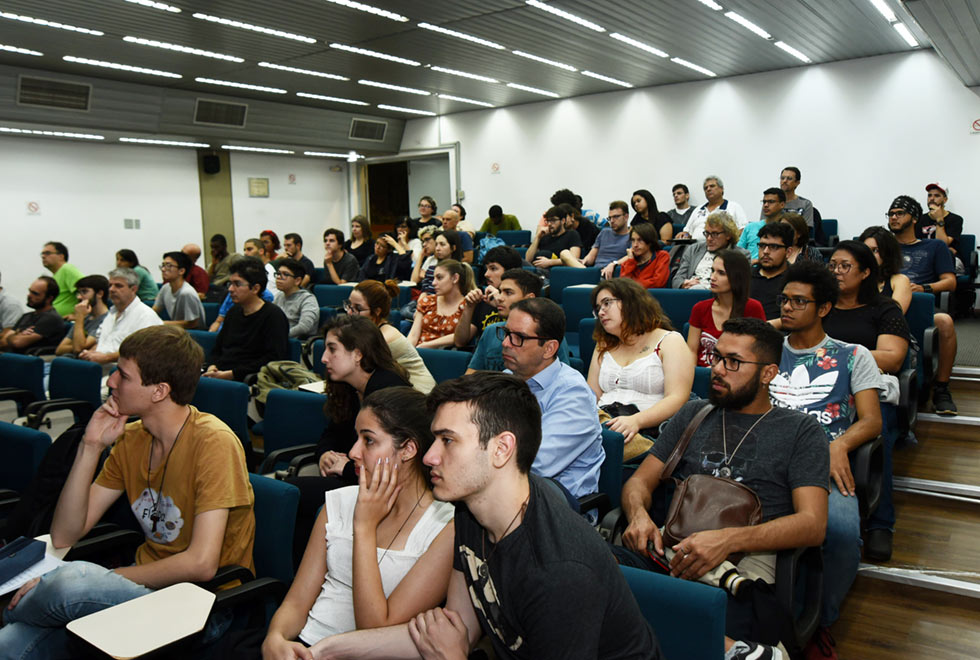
(84, 191)
(316, 201)
(861, 131)
(429, 176)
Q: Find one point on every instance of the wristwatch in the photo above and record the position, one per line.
(940, 223)
(927, 288)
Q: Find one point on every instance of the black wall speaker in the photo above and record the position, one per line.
(211, 164)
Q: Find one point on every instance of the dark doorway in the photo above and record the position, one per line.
(387, 194)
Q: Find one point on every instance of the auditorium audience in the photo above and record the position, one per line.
(644, 262)
(221, 260)
(293, 247)
(768, 275)
(434, 249)
(552, 240)
(437, 314)
(92, 292)
(10, 310)
(254, 248)
(450, 221)
(611, 243)
(773, 203)
(481, 305)
(128, 314)
(270, 243)
(339, 265)
(196, 276)
(148, 288)
(940, 223)
(427, 217)
(497, 220)
(41, 328)
(694, 271)
(714, 193)
(298, 304)
(389, 262)
(730, 278)
(682, 210)
(645, 205)
(411, 245)
(892, 283)
(575, 221)
(800, 250)
(361, 241)
(641, 371)
(54, 257)
(177, 297)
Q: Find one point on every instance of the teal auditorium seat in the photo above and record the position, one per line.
(206, 340)
(74, 385)
(21, 452)
(702, 381)
(920, 319)
(331, 295)
(687, 617)
(292, 417)
(210, 313)
(564, 276)
(318, 276)
(21, 379)
(515, 237)
(276, 503)
(678, 303)
(228, 401)
(444, 364)
(586, 344)
(576, 301)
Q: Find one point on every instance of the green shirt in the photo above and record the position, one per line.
(66, 277)
(148, 289)
(508, 222)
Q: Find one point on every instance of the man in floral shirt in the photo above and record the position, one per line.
(838, 384)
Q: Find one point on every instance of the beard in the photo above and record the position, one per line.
(735, 399)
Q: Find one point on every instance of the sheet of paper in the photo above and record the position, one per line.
(46, 565)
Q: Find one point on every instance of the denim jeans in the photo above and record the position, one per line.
(884, 516)
(841, 552)
(35, 629)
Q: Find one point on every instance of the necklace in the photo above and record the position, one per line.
(404, 522)
(726, 470)
(155, 515)
(484, 569)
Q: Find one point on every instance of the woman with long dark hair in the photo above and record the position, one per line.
(730, 278)
(645, 205)
(148, 289)
(361, 241)
(888, 253)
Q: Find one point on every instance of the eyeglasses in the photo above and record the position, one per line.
(767, 247)
(166, 266)
(770, 201)
(425, 206)
(280, 275)
(516, 339)
(731, 363)
(618, 216)
(896, 214)
(351, 308)
(603, 306)
(798, 302)
(48, 253)
(237, 283)
(842, 267)
(713, 234)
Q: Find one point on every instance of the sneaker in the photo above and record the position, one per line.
(753, 651)
(942, 401)
(878, 545)
(821, 645)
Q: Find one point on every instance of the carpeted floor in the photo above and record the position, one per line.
(968, 342)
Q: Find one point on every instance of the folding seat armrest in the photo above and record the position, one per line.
(793, 565)
(22, 398)
(283, 455)
(592, 501)
(612, 525)
(833, 240)
(944, 301)
(37, 411)
(226, 574)
(254, 592)
(930, 355)
(867, 462)
(121, 541)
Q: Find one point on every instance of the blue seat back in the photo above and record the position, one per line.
(688, 617)
(829, 226)
(206, 340)
(920, 317)
(576, 301)
(327, 313)
(565, 276)
(210, 313)
(228, 401)
(318, 347)
(331, 295)
(586, 344)
(318, 276)
(443, 364)
(295, 350)
(292, 417)
(21, 451)
(76, 379)
(702, 381)
(968, 245)
(611, 472)
(514, 237)
(276, 503)
(678, 303)
(24, 372)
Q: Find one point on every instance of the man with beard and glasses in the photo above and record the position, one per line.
(42, 326)
(780, 454)
(92, 293)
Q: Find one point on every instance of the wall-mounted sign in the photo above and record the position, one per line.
(33, 208)
(976, 126)
(258, 187)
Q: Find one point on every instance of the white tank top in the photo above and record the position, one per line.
(641, 382)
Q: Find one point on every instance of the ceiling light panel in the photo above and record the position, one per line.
(261, 150)
(19, 51)
(51, 24)
(747, 24)
(332, 99)
(461, 35)
(305, 72)
(360, 6)
(324, 154)
(599, 76)
(533, 90)
(884, 10)
(450, 97)
(181, 49)
(228, 83)
(638, 44)
(121, 67)
(792, 51)
(255, 28)
(394, 88)
(566, 15)
(374, 53)
(691, 65)
(463, 74)
(28, 131)
(712, 4)
(165, 143)
(536, 58)
(906, 34)
(156, 5)
(413, 111)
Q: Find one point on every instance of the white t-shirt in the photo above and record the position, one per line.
(695, 224)
(116, 327)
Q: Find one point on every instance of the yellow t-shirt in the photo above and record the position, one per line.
(205, 471)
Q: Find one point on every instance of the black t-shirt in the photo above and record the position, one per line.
(48, 324)
(765, 289)
(659, 221)
(553, 245)
(362, 252)
(415, 224)
(863, 324)
(553, 588)
(310, 269)
(483, 316)
(247, 343)
(926, 228)
(587, 232)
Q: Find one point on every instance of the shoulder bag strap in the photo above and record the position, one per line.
(681, 446)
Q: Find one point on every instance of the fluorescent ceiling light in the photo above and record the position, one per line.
(906, 34)
(747, 24)
(638, 44)
(463, 74)
(121, 67)
(413, 111)
(533, 90)
(228, 83)
(885, 10)
(261, 150)
(324, 154)
(711, 3)
(374, 53)
(28, 131)
(566, 67)
(50, 24)
(305, 72)
(359, 6)
(165, 143)
(792, 51)
(255, 28)
(465, 100)
(334, 99)
(599, 76)
(461, 35)
(690, 65)
(394, 88)
(567, 16)
(156, 5)
(182, 49)
(19, 51)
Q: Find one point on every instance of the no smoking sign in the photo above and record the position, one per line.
(976, 126)
(33, 208)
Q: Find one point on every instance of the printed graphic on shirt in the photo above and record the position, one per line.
(819, 384)
(161, 522)
(483, 594)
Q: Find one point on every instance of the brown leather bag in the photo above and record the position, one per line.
(702, 501)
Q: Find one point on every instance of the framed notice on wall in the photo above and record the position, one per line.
(258, 187)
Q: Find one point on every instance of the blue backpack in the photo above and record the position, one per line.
(487, 243)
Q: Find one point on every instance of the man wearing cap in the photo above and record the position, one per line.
(498, 220)
(928, 263)
(939, 223)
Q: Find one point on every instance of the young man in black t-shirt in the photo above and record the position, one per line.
(768, 275)
(552, 239)
(939, 223)
(40, 328)
(528, 572)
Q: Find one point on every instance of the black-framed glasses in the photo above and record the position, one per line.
(281, 275)
(796, 302)
(712, 234)
(731, 363)
(771, 247)
(516, 339)
(603, 306)
(842, 267)
(166, 266)
(896, 214)
(351, 308)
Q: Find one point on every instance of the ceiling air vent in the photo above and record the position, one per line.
(220, 113)
(365, 129)
(49, 93)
